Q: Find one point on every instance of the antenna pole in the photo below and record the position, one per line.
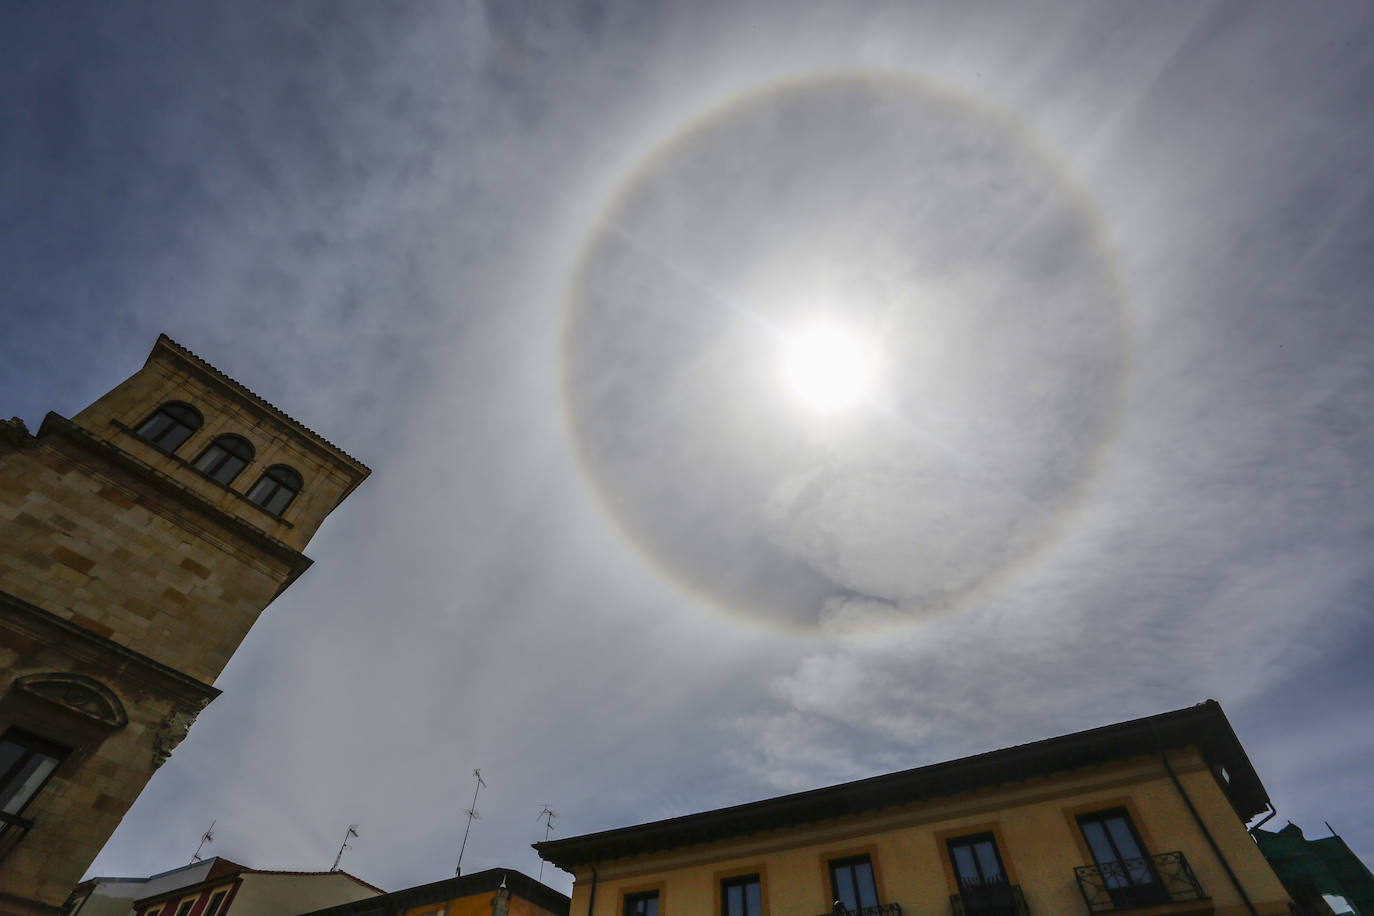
(547, 816)
(352, 832)
(471, 813)
(207, 837)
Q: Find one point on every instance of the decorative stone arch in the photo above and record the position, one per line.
(77, 693)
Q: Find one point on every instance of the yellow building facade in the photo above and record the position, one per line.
(494, 892)
(139, 542)
(1145, 816)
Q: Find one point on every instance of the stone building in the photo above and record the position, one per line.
(1146, 816)
(139, 542)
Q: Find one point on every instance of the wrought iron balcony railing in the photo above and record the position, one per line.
(989, 900)
(12, 829)
(882, 909)
(1163, 878)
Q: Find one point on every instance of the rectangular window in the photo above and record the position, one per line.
(186, 906)
(852, 885)
(983, 885)
(26, 763)
(1126, 870)
(216, 899)
(643, 904)
(742, 896)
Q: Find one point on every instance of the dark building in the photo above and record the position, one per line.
(1311, 868)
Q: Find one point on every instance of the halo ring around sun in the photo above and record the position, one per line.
(938, 229)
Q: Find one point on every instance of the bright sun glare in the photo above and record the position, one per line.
(827, 366)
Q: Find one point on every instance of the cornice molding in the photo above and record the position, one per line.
(20, 616)
(1203, 726)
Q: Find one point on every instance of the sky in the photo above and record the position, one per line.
(541, 266)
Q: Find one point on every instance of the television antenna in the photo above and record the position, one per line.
(207, 837)
(471, 813)
(352, 832)
(547, 816)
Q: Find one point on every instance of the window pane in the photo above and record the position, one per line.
(10, 752)
(864, 884)
(209, 458)
(229, 469)
(174, 437)
(183, 415)
(844, 887)
(987, 861)
(215, 901)
(645, 904)
(1096, 836)
(185, 908)
(236, 446)
(741, 896)
(964, 866)
(26, 782)
(278, 501)
(154, 426)
(261, 490)
(1121, 834)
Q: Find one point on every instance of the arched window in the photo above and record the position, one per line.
(224, 458)
(275, 489)
(170, 425)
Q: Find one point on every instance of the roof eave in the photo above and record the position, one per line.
(1203, 725)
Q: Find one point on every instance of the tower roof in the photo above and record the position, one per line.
(167, 345)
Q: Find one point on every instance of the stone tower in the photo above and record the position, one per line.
(139, 542)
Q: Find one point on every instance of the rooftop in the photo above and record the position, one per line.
(1203, 726)
(165, 342)
(482, 882)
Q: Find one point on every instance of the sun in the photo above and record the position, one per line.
(828, 366)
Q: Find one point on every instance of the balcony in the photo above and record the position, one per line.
(1128, 883)
(882, 909)
(12, 829)
(993, 899)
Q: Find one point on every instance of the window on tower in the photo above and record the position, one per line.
(224, 458)
(275, 489)
(170, 425)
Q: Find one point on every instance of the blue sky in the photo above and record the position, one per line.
(533, 263)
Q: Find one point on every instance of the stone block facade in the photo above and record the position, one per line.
(128, 577)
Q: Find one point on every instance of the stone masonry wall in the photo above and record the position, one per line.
(115, 557)
(88, 795)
